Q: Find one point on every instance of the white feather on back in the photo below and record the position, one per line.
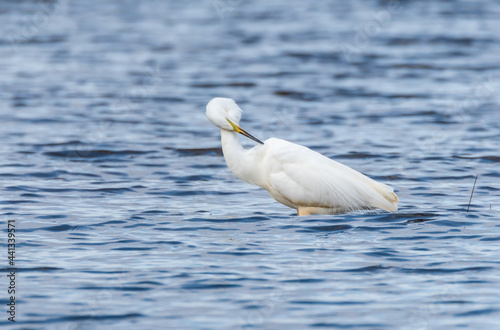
(306, 178)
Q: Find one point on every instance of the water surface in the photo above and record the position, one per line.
(129, 217)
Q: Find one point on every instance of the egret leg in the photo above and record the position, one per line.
(308, 210)
(304, 211)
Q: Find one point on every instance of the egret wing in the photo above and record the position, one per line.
(306, 178)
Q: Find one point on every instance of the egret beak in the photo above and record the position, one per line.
(237, 129)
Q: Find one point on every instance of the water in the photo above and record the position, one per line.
(127, 215)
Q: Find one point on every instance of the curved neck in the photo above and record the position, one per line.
(241, 162)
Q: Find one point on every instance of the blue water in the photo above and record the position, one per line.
(128, 217)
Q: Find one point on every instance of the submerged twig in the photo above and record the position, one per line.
(472, 193)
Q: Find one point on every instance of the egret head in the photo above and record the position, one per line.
(226, 114)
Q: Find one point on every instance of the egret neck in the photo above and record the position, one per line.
(241, 162)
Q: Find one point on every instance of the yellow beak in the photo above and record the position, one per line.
(238, 129)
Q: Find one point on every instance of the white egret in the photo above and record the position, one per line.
(294, 175)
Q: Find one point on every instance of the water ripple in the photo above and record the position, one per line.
(126, 213)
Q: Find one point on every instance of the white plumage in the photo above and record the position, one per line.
(294, 175)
